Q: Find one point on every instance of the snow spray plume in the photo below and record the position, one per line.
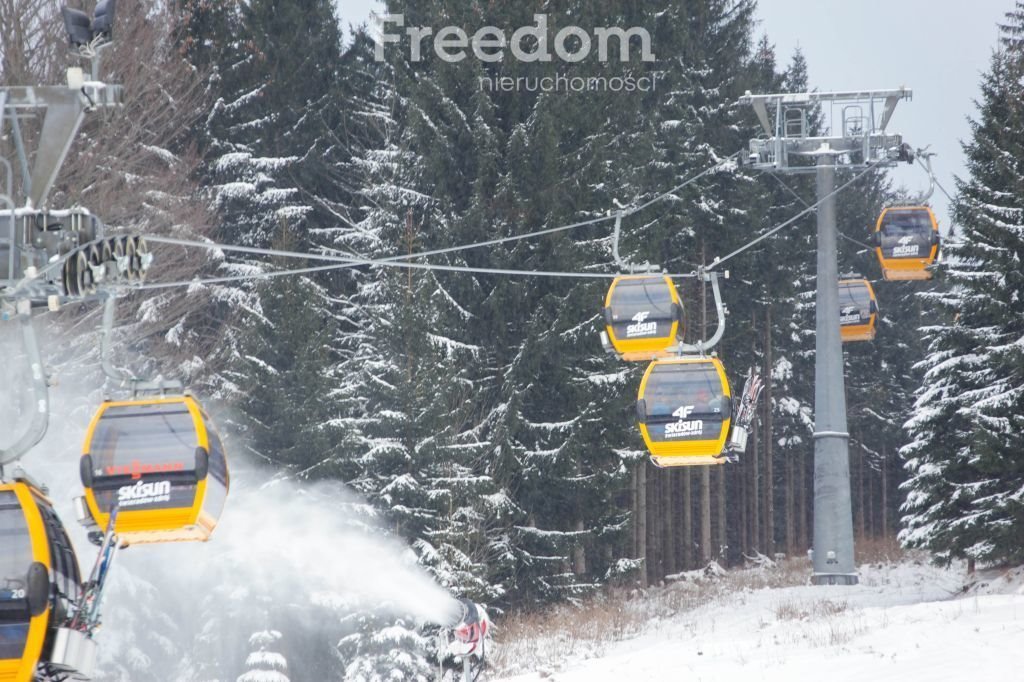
(311, 551)
(310, 540)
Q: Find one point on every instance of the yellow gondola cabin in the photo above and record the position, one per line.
(858, 310)
(39, 582)
(643, 316)
(685, 411)
(161, 463)
(907, 241)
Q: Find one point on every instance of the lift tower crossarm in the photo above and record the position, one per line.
(64, 108)
(859, 135)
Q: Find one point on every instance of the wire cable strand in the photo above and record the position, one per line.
(350, 261)
(810, 209)
(342, 263)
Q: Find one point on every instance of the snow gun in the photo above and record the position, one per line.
(465, 637)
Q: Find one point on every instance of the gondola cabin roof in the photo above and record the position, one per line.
(643, 316)
(685, 411)
(907, 242)
(160, 461)
(39, 577)
(858, 310)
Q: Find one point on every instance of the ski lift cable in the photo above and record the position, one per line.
(343, 263)
(810, 209)
(801, 200)
(351, 261)
(857, 242)
(789, 189)
(561, 228)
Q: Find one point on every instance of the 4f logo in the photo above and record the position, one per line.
(683, 412)
(684, 428)
(640, 326)
(906, 247)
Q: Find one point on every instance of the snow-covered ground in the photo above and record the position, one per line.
(904, 622)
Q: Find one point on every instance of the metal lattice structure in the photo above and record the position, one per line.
(855, 140)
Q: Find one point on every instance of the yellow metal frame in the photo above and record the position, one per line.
(144, 526)
(639, 350)
(692, 452)
(903, 269)
(22, 669)
(861, 332)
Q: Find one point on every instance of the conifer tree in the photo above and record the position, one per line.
(963, 457)
(265, 664)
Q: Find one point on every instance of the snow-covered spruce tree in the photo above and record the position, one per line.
(383, 649)
(265, 664)
(269, 143)
(964, 491)
(285, 375)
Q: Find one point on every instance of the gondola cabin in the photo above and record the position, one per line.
(685, 411)
(858, 310)
(907, 241)
(160, 461)
(643, 316)
(39, 583)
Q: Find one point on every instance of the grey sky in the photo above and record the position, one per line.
(938, 48)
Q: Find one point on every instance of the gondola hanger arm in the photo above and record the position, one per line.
(122, 377)
(702, 346)
(40, 421)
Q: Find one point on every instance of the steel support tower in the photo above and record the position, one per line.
(790, 146)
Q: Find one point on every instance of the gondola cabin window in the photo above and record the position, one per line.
(140, 454)
(15, 559)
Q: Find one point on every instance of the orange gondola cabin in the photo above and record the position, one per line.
(685, 411)
(39, 584)
(858, 310)
(643, 316)
(160, 461)
(907, 242)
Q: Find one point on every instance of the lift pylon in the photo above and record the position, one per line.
(856, 139)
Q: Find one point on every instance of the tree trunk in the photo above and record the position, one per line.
(722, 539)
(579, 554)
(655, 529)
(790, 507)
(668, 484)
(801, 502)
(769, 449)
(634, 499)
(705, 515)
(641, 520)
(885, 493)
(860, 487)
(687, 519)
(743, 512)
(755, 488)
